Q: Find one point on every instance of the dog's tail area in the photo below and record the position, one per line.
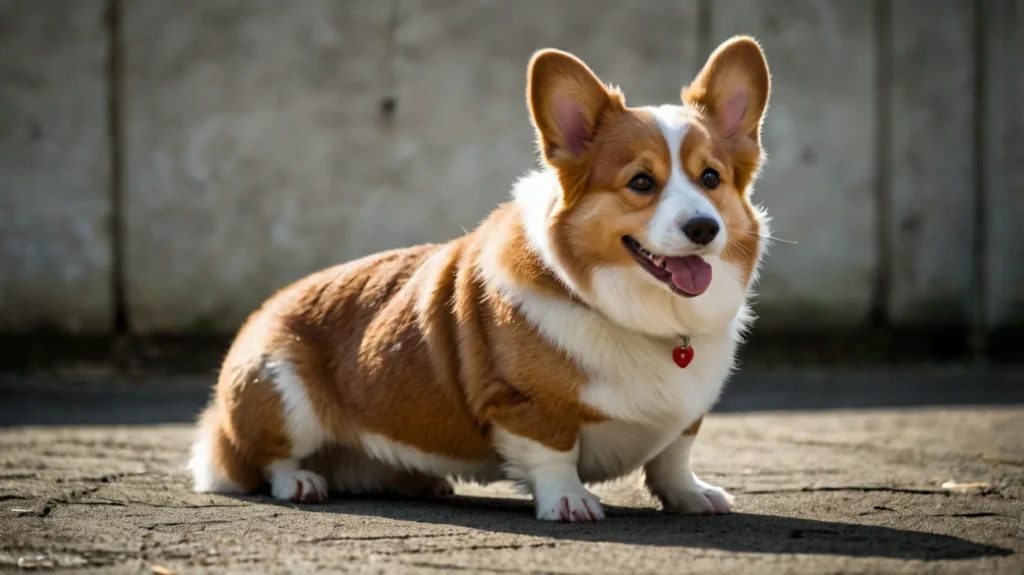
(217, 465)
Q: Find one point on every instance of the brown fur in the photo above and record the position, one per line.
(406, 336)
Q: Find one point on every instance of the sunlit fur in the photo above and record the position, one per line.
(534, 348)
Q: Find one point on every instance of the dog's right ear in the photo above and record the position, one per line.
(566, 99)
(733, 88)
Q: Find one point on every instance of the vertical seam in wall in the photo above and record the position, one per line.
(114, 127)
(979, 248)
(879, 310)
(703, 31)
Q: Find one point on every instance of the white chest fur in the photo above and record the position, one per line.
(650, 401)
(633, 380)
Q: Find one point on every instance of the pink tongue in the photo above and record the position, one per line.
(691, 274)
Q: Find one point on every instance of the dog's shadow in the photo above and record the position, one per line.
(739, 532)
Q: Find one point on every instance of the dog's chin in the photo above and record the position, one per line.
(631, 297)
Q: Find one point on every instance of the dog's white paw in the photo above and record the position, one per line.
(298, 485)
(702, 499)
(572, 507)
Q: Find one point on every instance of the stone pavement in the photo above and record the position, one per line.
(852, 478)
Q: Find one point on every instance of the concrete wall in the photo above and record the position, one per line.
(931, 157)
(254, 151)
(1003, 173)
(55, 177)
(260, 140)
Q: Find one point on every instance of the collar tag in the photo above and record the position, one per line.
(682, 354)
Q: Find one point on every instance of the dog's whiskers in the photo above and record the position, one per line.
(770, 238)
(734, 243)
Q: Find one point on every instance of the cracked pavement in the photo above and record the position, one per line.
(894, 470)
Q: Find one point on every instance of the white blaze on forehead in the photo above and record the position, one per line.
(680, 200)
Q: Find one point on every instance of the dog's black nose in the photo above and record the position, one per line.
(701, 230)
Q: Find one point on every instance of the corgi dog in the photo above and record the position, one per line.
(578, 334)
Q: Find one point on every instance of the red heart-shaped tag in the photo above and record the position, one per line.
(682, 356)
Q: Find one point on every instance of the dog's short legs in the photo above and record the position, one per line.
(671, 480)
(551, 476)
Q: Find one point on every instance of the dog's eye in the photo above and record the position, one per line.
(641, 183)
(710, 179)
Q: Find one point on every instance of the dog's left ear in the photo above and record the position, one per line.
(733, 88)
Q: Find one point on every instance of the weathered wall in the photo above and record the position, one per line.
(1004, 162)
(254, 150)
(260, 140)
(55, 204)
(260, 146)
(931, 161)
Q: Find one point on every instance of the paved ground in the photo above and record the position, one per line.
(849, 480)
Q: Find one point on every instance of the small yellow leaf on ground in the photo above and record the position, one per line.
(959, 486)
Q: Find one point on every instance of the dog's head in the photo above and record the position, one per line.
(653, 224)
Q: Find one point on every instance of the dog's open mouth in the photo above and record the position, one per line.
(688, 276)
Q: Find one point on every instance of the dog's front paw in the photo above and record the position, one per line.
(573, 507)
(699, 499)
